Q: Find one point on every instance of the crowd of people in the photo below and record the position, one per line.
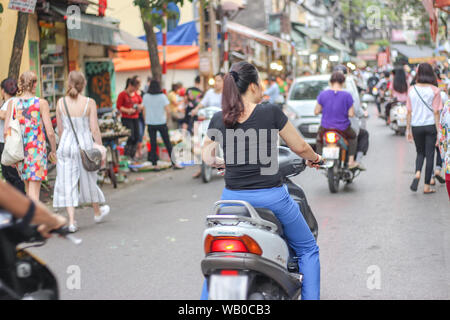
(424, 91)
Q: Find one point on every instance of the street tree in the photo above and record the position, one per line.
(19, 41)
(152, 15)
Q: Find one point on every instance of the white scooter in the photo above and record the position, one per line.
(397, 117)
(204, 117)
(247, 256)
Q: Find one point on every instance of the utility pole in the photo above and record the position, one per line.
(202, 43)
(213, 36)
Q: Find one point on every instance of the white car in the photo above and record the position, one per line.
(302, 100)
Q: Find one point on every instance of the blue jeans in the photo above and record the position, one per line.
(295, 228)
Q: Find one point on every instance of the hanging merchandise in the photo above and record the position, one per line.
(102, 6)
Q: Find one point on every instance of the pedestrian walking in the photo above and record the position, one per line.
(176, 107)
(423, 104)
(439, 160)
(139, 147)
(444, 139)
(9, 90)
(74, 184)
(129, 103)
(273, 92)
(33, 115)
(157, 112)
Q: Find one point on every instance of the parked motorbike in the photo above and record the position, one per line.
(247, 255)
(397, 116)
(335, 154)
(24, 276)
(204, 117)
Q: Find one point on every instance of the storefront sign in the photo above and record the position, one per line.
(205, 63)
(26, 6)
(100, 78)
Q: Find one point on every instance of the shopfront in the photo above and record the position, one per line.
(88, 47)
(53, 60)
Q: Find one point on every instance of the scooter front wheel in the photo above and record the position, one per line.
(206, 172)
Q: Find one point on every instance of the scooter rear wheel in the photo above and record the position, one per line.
(333, 179)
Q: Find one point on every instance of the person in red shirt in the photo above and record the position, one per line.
(129, 103)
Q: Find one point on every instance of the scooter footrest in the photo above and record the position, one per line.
(298, 276)
(292, 265)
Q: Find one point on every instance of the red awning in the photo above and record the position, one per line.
(178, 57)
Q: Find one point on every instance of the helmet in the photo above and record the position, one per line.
(340, 68)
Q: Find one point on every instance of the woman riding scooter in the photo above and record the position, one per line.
(336, 106)
(399, 91)
(244, 117)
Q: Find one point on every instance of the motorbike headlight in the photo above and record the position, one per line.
(402, 110)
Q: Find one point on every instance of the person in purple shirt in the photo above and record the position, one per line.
(336, 107)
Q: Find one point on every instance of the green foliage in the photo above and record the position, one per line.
(383, 43)
(1, 8)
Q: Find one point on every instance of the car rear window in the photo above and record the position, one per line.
(308, 90)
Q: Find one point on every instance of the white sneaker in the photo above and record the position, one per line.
(73, 228)
(104, 211)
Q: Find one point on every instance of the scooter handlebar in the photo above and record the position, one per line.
(62, 232)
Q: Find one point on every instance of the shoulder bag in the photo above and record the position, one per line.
(92, 158)
(13, 150)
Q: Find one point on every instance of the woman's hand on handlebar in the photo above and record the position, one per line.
(315, 164)
(219, 163)
(55, 222)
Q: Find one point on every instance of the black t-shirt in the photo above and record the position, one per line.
(251, 148)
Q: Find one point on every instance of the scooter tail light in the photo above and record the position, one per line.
(244, 244)
(208, 241)
(331, 137)
(252, 245)
(228, 245)
(229, 273)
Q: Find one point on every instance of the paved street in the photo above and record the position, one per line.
(150, 247)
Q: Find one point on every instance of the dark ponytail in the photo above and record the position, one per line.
(236, 83)
(132, 81)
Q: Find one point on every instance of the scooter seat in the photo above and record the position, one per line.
(264, 213)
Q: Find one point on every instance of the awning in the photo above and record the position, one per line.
(251, 33)
(263, 38)
(312, 33)
(92, 29)
(299, 39)
(417, 54)
(132, 42)
(183, 35)
(334, 44)
(317, 34)
(178, 57)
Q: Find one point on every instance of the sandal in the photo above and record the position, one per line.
(439, 178)
(415, 184)
(429, 192)
(354, 165)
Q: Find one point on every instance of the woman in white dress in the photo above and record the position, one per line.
(74, 185)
